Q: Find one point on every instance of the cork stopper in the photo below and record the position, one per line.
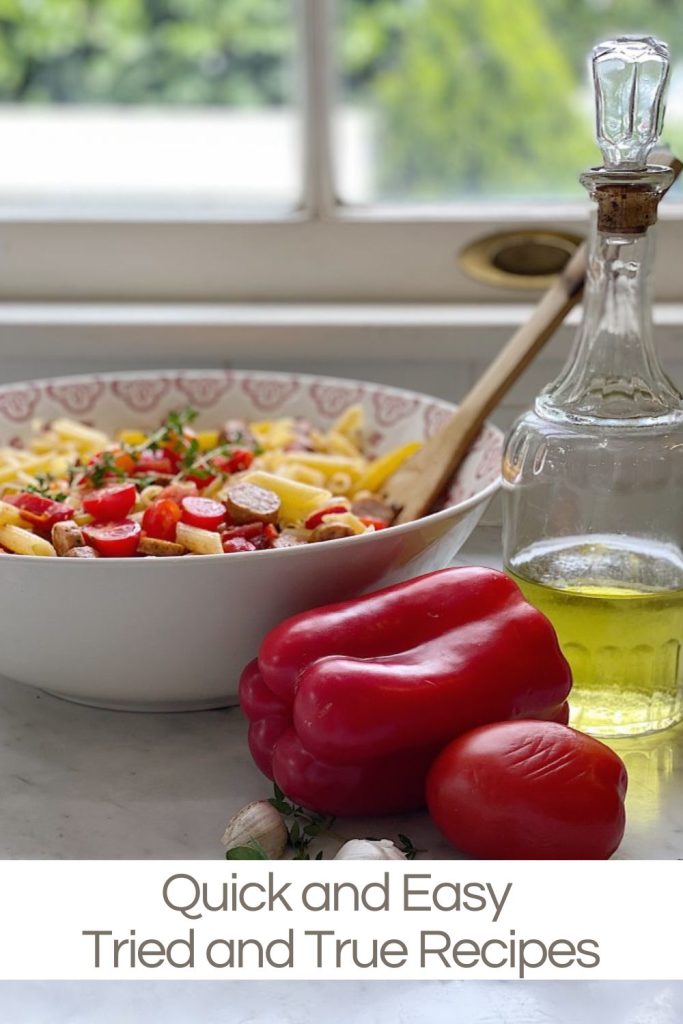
(630, 75)
(629, 208)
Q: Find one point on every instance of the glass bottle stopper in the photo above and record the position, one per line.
(630, 75)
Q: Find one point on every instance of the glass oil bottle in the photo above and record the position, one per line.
(593, 475)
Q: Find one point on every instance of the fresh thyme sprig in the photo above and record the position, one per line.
(302, 825)
(43, 486)
(407, 847)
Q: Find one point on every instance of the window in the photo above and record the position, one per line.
(295, 150)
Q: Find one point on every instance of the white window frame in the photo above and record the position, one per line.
(322, 252)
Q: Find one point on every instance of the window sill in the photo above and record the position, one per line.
(188, 332)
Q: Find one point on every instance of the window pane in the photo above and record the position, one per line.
(152, 102)
(457, 100)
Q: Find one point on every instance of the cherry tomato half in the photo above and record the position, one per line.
(114, 540)
(161, 518)
(110, 503)
(529, 790)
(202, 512)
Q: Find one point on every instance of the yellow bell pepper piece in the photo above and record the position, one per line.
(207, 440)
(381, 468)
(131, 437)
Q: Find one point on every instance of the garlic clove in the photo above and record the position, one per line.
(370, 849)
(260, 826)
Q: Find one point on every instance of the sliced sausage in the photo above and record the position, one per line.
(331, 531)
(247, 503)
(159, 548)
(84, 552)
(66, 536)
(372, 508)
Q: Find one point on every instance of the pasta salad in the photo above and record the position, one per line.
(75, 492)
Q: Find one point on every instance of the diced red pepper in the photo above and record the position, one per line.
(249, 531)
(270, 534)
(260, 535)
(200, 479)
(236, 462)
(153, 463)
(123, 464)
(316, 518)
(41, 513)
(379, 524)
(235, 544)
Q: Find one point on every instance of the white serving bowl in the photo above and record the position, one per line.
(174, 633)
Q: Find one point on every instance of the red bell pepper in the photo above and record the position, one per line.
(349, 704)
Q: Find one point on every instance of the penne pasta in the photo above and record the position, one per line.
(23, 542)
(198, 541)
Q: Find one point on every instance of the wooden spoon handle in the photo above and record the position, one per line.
(416, 486)
(418, 483)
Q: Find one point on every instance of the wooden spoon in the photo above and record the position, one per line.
(415, 487)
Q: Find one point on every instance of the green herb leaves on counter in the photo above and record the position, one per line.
(407, 847)
(253, 851)
(303, 826)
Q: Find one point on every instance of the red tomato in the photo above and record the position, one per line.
(114, 540)
(529, 790)
(42, 513)
(238, 544)
(110, 503)
(161, 518)
(316, 518)
(151, 463)
(202, 512)
(237, 461)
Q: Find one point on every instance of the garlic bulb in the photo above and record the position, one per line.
(370, 849)
(257, 823)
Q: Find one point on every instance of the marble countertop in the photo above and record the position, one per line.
(77, 782)
(243, 1002)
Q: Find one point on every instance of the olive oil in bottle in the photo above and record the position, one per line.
(623, 642)
(593, 474)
